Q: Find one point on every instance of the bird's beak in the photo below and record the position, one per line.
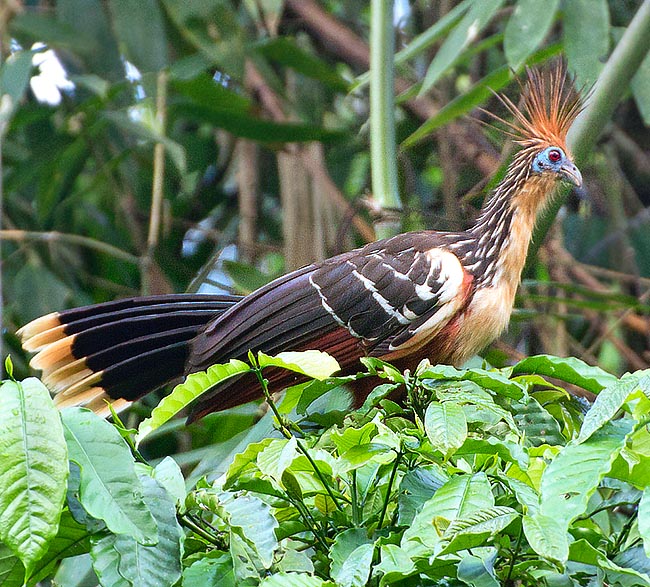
(571, 173)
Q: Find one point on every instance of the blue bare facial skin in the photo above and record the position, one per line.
(554, 160)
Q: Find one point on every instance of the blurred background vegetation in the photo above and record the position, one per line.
(202, 144)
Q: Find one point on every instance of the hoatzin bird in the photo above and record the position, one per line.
(437, 295)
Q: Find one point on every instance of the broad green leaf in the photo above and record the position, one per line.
(417, 487)
(491, 380)
(569, 369)
(252, 520)
(583, 552)
(246, 279)
(170, 476)
(526, 29)
(314, 364)
(586, 37)
(55, 33)
(446, 426)
(351, 555)
(250, 127)
(345, 439)
(608, 402)
(478, 572)
(473, 530)
(140, 28)
(460, 497)
(547, 536)
(33, 469)
(73, 539)
(106, 561)
(294, 580)
(12, 571)
(476, 18)
(213, 570)
(641, 89)
(540, 427)
(395, 564)
(644, 520)
(508, 451)
(110, 489)
(158, 565)
(277, 456)
(185, 393)
(574, 474)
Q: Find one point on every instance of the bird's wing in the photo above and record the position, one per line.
(386, 298)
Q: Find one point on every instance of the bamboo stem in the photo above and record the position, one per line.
(383, 153)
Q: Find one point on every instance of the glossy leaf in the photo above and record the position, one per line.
(586, 38)
(547, 536)
(569, 369)
(313, 364)
(465, 32)
(351, 556)
(110, 489)
(446, 426)
(33, 469)
(526, 29)
(185, 393)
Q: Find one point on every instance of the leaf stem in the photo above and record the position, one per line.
(389, 489)
(286, 431)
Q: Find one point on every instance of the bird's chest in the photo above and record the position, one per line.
(485, 317)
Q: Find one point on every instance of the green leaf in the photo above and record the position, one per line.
(313, 364)
(213, 570)
(491, 380)
(12, 571)
(252, 520)
(110, 489)
(293, 580)
(547, 537)
(285, 51)
(476, 18)
(586, 34)
(569, 369)
(15, 74)
(249, 127)
(644, 520)
(73, 539)
(246, 278)
(508, 451)
(446, 426)
(460, 497)
(395, 564)
(478, 572)
(526, 29)
(608, 402)
(351, 555)
(170, 476)
(417, 486)
(277, 456)
(641, 89)
(121, 560)
(540, 426)
(185, 393)
(140, 28)
(33, 469)
(571, 478)
(473, 530)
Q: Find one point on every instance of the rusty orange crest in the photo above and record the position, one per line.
(550, 104)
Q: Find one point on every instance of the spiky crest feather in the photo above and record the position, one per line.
(550, 104)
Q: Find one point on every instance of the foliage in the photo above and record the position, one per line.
(486, 477)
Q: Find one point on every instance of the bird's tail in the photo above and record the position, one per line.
(118, 351)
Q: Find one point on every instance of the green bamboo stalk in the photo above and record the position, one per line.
(608, 90)
(383, 153)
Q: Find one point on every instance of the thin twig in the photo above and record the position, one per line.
(158, 178)
(72, 239)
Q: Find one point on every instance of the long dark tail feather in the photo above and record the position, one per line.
(118, 351)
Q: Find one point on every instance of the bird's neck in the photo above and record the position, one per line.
(505, 226)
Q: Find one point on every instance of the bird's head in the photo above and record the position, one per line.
(550, 104)
(554, 160)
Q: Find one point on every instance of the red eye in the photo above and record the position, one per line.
(554, 156)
